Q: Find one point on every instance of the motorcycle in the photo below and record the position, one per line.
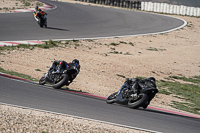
(58, 80)
(41, 19)
(134, 98)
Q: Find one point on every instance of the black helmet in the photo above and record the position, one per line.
(75, 61)
(36, 8)
(152, 79)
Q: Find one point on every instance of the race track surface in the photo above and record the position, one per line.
(73, 21)
(31, 95)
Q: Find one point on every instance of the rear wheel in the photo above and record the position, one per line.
(41, 22)
(61, 82)
(139, 102)
(111, 98)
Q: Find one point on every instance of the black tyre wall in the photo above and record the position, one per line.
(42, 81)
(110, 99)
(140, 102)
(63, 82)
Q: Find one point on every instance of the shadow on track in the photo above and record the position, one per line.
(52, 28)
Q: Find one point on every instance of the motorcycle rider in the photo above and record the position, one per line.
(137, 85)
(38, 12)
(59, 66)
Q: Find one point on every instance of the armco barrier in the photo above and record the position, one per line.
(150, 6)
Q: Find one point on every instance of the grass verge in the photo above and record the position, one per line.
(45, 45)
(16, 74)
(189, 92)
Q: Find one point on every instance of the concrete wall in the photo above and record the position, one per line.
(170, 9)
(150, 6)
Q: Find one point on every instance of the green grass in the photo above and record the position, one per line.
(114, 44)
(195, 79)
(190, 92)
(164, 91)
(18, 74)
(131, 43)
(152, 49)
(155, 49)
(46, 45)
(121, 75)
(37, 70)
(115, 52)
(123, 42)
(39, 4)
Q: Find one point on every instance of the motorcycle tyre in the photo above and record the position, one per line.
(45, 24)
(144, 98)
(41, 23)
(62, 82)
(42, 81)
(110, 99)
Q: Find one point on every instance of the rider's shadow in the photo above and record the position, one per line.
(53, 28)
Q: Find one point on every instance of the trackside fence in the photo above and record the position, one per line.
(117, 3)
(170, 9)
(150, 6)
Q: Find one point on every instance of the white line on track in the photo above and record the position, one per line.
(81, 118)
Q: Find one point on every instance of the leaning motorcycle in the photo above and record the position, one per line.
(133, 98)
(58, 80)
(41, 19)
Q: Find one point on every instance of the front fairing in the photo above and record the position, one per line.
(146, 90)
(151, 92)
(71, 69)
(120, 99)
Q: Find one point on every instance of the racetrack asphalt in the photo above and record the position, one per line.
(34, 96)
(75, 21)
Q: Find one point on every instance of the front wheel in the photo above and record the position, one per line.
(139, 102)
(111, 98)
(61, 82)
(42, 80)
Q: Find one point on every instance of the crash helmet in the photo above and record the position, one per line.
(36, 8)
(152, 79)
(75, 61)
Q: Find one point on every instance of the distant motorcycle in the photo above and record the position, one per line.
(134, 98)
(41, 19)
(57, 80)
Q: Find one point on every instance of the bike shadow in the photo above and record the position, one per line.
(53, 28)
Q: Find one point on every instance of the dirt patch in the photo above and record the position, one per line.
(7, 6)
